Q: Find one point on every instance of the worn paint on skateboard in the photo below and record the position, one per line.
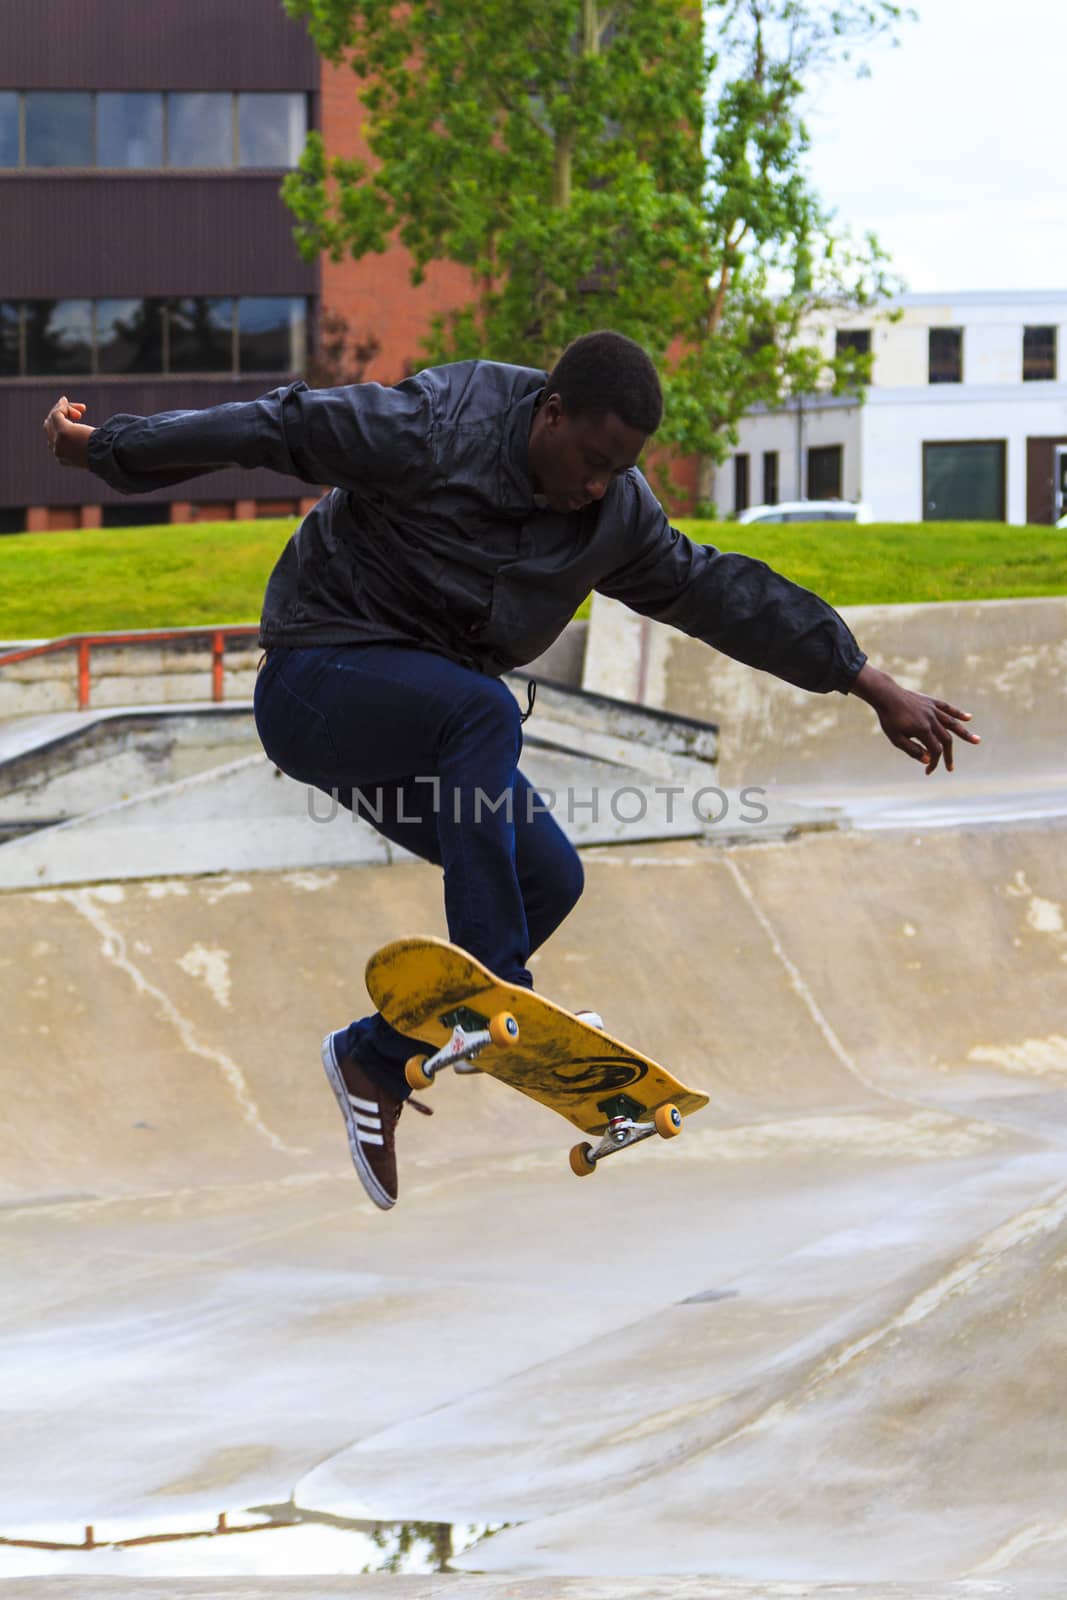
(443, 996)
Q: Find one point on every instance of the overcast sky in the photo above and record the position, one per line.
(955, 149)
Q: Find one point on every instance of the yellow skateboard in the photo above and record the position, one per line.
(439, 993)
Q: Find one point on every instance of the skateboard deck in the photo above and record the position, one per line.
(438, 993)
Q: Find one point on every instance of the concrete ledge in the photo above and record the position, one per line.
(126, 675)
(180, 669)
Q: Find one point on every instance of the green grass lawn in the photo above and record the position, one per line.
(169, 576)
(177, 576)
(902, 563)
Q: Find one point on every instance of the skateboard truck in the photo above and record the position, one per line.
(624, 1128)
(470, 1035)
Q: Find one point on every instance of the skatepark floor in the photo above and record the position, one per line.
(815, 1346)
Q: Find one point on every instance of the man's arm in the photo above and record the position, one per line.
(349, 438)
(745, 609)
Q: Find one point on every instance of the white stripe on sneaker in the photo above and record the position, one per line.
(349, 1103)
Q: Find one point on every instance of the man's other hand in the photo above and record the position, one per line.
(916, 723)
(68, 436)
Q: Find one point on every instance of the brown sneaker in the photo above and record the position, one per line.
(371, 1116)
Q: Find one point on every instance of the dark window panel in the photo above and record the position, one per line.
(858, 339)
(59, 130)
(272, 334)
(138, 516)
(200, 130)
(129, 335)
(272, 129)
(201, 334)
(946, 355)
(825, 472)
(59, 337)
(9, 128)
(770, 477)
(129, 130)
(9, 339)
(964, 482)
(1039, 355)
(741, 491)
(12, 519)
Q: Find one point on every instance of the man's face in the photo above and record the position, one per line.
(574, 459)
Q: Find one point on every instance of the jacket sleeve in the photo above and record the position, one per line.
(356, 437)
(732, 602)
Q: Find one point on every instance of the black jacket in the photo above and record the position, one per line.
(432, 535)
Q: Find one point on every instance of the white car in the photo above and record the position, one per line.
(1062, 523)
(809, 511)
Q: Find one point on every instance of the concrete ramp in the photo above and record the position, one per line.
(135, 794)
(815, 1345)
(1005, 661)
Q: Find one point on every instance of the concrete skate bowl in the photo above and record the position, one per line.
(817, 1340)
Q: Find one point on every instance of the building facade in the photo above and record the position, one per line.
(965, 418)
(146, 258)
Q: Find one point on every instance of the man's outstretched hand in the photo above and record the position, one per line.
(916, 723)
(68, 436)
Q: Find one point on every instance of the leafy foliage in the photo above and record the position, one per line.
(593, 166)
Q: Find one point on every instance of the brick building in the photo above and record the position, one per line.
(146, 259)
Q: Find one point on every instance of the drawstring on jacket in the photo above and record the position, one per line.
(531, 696)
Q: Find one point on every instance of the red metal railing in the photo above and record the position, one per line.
(83, 644)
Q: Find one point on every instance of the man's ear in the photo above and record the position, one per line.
(552, 411)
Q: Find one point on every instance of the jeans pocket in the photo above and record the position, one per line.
(294, 732)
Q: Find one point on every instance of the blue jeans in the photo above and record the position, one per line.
(427, 752)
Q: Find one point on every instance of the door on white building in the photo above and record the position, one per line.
(965, 481)
(1059, 504)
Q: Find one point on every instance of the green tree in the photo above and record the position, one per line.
(594, 165)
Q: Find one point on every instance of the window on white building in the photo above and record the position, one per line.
(946, 355)
(857, 339)
(770, 477)
(741, 485)
(1039, 355)
(825, 472)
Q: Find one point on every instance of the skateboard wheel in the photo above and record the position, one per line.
(581, 1160)
(416, 1074)
(503, 1029)
(668, 1122)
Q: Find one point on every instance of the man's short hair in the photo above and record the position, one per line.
(605, 371)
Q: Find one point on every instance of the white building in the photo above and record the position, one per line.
(965, 418)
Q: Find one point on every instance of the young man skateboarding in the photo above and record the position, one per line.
(473, 507)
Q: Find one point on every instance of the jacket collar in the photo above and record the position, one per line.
(516, 489)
